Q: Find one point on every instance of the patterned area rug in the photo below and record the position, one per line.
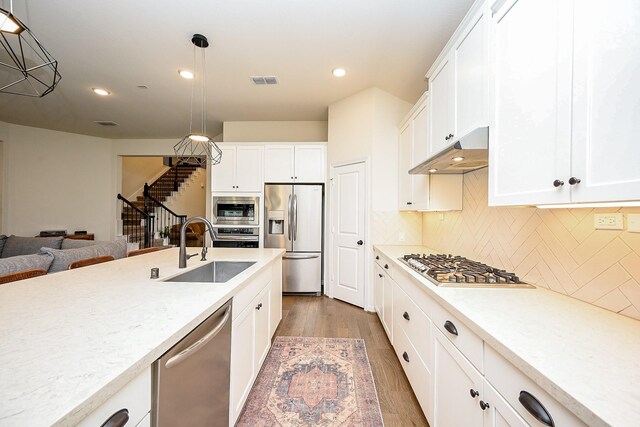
(314, 382)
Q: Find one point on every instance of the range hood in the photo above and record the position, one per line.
(473, 148)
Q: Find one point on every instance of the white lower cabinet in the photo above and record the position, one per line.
(383, 294)
(251, 333)
(457, 385)
(132, 402)
(498, 413)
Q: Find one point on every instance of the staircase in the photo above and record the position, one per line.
(133, 224)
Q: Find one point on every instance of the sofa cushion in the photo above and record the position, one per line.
(3, 240)
(117, 249)
(25, 262)
(63, 257)
(16, 245)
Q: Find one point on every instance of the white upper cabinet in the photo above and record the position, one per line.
(309, 165)
(423, 192)
(565, 104)
(303, 163)
(240, 169)
(606, 101)
(530, 136)
(471, 74)
(278, 163)
(441, 87)
(458, 81)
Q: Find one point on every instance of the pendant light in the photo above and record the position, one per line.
(197, 148)
(26, 68)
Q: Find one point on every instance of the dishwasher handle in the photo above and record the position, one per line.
(184, 354)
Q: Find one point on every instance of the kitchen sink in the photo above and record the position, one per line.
(214, 272)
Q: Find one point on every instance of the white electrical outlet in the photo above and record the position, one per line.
(612, 221)
(633, 223)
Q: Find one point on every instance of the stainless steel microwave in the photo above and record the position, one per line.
(229, 210)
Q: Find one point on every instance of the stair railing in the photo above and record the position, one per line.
(164, 220)
(136, 223)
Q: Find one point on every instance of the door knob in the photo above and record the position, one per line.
(360, 242)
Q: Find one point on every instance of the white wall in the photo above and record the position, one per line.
(56, 180)
(275, 131)
(365, 126)
(191, 197)
(138, 170)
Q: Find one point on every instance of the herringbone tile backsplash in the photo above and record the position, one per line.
(558, 249)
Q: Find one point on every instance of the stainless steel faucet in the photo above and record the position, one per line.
(182, 260)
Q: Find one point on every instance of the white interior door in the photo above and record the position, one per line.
(348, 227)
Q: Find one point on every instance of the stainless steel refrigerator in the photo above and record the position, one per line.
(294, 221)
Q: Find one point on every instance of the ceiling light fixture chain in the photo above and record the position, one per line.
(26, 67)
(198, 148)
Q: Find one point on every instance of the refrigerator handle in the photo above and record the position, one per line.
(295, 217)
(289, 218)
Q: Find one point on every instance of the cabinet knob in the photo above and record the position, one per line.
(118, 419)
(291, 177)
(484, 405)
(405, 356)
(377, 257)
(295, 177)
(450, 327)
(573, 180)
(409, 203)
(381, 276)
(386, 266)
(446, 138)
(557, 183)
(474, 393)
(259, 306)
(450, 135)
(406, 316)
(360, 242)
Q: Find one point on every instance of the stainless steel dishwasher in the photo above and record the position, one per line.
(191, 380)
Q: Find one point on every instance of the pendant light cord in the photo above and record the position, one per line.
(204, 104)
(193, 88)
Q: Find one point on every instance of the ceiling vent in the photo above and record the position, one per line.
(264, 80)
(107, 123)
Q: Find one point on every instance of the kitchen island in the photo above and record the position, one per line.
(71, 340)
(584, 357)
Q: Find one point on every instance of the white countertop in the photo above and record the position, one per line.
(586, 357)
(70, 340)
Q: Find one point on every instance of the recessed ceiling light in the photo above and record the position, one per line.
(457, 159)
(186, 74)
(339, 72)
(101, 92)
(433, 170)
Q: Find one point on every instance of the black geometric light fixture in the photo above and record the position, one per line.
(197, 148)
(26, 67)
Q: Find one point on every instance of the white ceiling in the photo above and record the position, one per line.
(124, 43)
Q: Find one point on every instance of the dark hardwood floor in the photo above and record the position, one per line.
(326, 317)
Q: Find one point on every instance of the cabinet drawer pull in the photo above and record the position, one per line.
(118, 419)
(405, 356)
(406, 316)
(535, 408)
(484, 405)
(409, 203)
(474, 393)
(450, 327)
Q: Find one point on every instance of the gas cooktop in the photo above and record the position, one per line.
(456, 271)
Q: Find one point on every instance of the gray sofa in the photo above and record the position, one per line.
(51, 254)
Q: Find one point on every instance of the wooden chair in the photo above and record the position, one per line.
(90, 261)
(27, 274)
(144, 251)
